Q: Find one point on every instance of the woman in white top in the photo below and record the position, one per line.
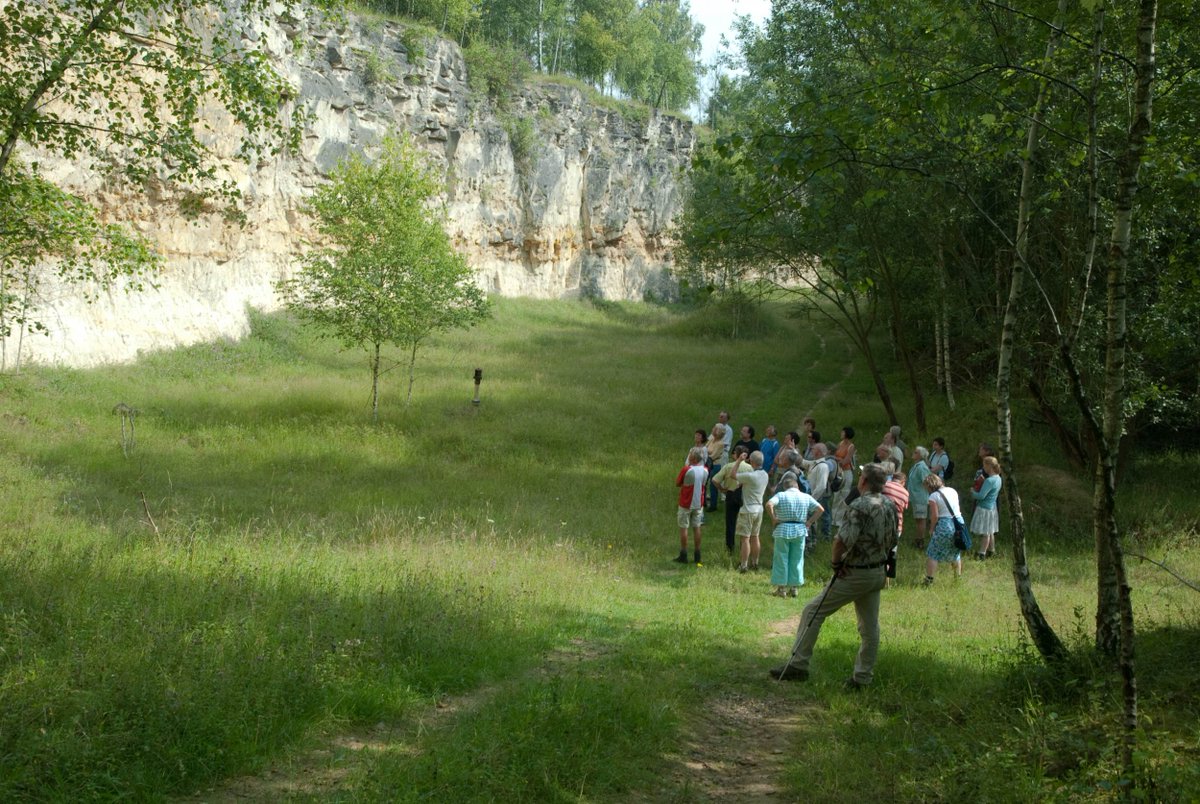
(943, 509)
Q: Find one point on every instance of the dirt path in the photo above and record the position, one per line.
(734, 749)
(322, 771)
(737, 748)
(832, 388)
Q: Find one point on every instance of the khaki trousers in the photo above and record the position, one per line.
(860, 587)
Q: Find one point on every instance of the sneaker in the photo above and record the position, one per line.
(990, 554)
(754, 566)
(850, 685)
(697, 556)
(743, 569)
(928, 581)
(794, 592)
(786, 672)
(780, 592)
(980, 556)
(681, 558)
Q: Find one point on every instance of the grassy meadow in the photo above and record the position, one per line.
(269, 598)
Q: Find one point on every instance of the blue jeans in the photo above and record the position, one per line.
(711, 500)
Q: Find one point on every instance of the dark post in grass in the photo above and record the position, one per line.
(478, 379)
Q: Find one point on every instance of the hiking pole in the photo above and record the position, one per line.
(799, 636)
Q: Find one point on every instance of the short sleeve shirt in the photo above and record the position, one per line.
(792, 508)
(938, 462)
(869, 529)
(754, 483)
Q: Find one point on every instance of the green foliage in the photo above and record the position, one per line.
(523, 141)
(874, 156)
(387, 273)
(495, 71)
(648, 51)
(415, 39)
(50, 236)
(376, 71)
(126, 89)
(736, 315)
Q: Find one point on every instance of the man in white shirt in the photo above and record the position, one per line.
(818, 484)
(749, 523)
(723, 419)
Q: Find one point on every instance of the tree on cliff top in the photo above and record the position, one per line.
(385, 272)
(127, 87)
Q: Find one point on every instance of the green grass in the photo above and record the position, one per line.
(309, 575)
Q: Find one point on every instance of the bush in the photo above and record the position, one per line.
(375, 71)
(415, 39)
(495, 71)
(523, 140)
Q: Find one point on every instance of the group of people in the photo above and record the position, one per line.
(807, 487)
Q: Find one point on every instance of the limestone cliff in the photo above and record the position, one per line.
(580, 202)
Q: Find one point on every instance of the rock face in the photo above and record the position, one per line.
(550, 196)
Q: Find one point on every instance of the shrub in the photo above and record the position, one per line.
(523, 140)
(375, 71)
(495, 71)
(415, 39)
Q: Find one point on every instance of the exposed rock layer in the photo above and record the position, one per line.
(583, 206)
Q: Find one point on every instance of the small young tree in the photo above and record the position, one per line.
(385, 272)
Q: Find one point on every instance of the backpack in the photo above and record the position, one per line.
(835, 476)
(801, 480)
(948, 472)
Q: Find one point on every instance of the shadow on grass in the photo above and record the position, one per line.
(127, 681)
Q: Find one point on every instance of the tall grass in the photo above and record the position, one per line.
(266, 568)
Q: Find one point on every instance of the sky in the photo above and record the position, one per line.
(717, 18)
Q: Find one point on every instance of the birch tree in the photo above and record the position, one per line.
(384, 271)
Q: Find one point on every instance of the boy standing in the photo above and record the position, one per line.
(691, 482)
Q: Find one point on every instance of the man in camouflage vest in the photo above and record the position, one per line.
(860, 551)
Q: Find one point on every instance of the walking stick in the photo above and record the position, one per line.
(820, 603)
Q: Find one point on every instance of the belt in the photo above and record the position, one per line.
(867, 566)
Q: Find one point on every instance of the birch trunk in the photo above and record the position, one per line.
(947, 372)
(412, 369)
(1116, 336)
(937, 349)
(1040, 630)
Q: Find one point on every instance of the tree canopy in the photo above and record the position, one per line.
(875, 154)
(647, 50)
(985, 180)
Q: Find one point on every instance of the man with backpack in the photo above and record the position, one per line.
(820, 470)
